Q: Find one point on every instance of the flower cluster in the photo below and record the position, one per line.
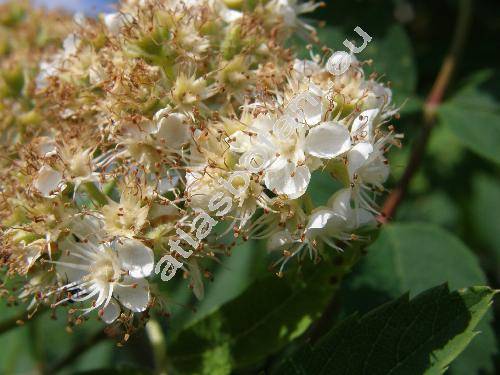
(149, 116)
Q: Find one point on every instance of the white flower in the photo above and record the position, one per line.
(108, 273)
(172, 129)
(289, 10)
(242, 194)
(367, 165)
(375, 95)
(338, 219)
(201, 187)
(52, 68)
(229, 15)
(349, 88)
(354, 217)
(288, 179)
(127, 217)
(281, 159)
(285, 149)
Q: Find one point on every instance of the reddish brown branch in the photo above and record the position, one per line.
(432, 102)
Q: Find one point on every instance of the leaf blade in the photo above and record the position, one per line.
(367, 345)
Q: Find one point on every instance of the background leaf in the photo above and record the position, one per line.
(262, 320)
(415, 257)
(485, 220)
(473, 115)
(231, 277)
(401, 337)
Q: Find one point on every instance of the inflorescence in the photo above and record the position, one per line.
(167, 132)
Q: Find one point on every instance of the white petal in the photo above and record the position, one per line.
(306, 107)
(340, 202)
(290, 180)
(167, 183)
(239, 142)
(173, 131)
(262, 125)
(230, 15)
(33, 251)
(160, 210)
(362, 126)
(319, 219)
(354, 218)
(328, 140)
(378, 96)
(47, 148)
(111, 312)
(324, 221)
(375, 171)
(361, 218)
(278, 164)
(357, 157)
(286, 126)
(135, 257)
(88, 228)
(256, 160)
(70, 44)
(279, 239)
(305, 67)
(136, 297)
(70, 267)
(47, 181)
(339, 63)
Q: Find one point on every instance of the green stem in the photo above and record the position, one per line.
(108, 188)
(158, 343)
(95, 194)
(308, 203)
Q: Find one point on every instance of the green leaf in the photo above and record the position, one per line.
(485, 221)
(54, 342)
(445, 159)
(116, 371)
(415, 257)
(231, 278)
(435, 207)
(401, 337)
(473, 115)
(321, 187)
(16, 355)
(261, 321)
